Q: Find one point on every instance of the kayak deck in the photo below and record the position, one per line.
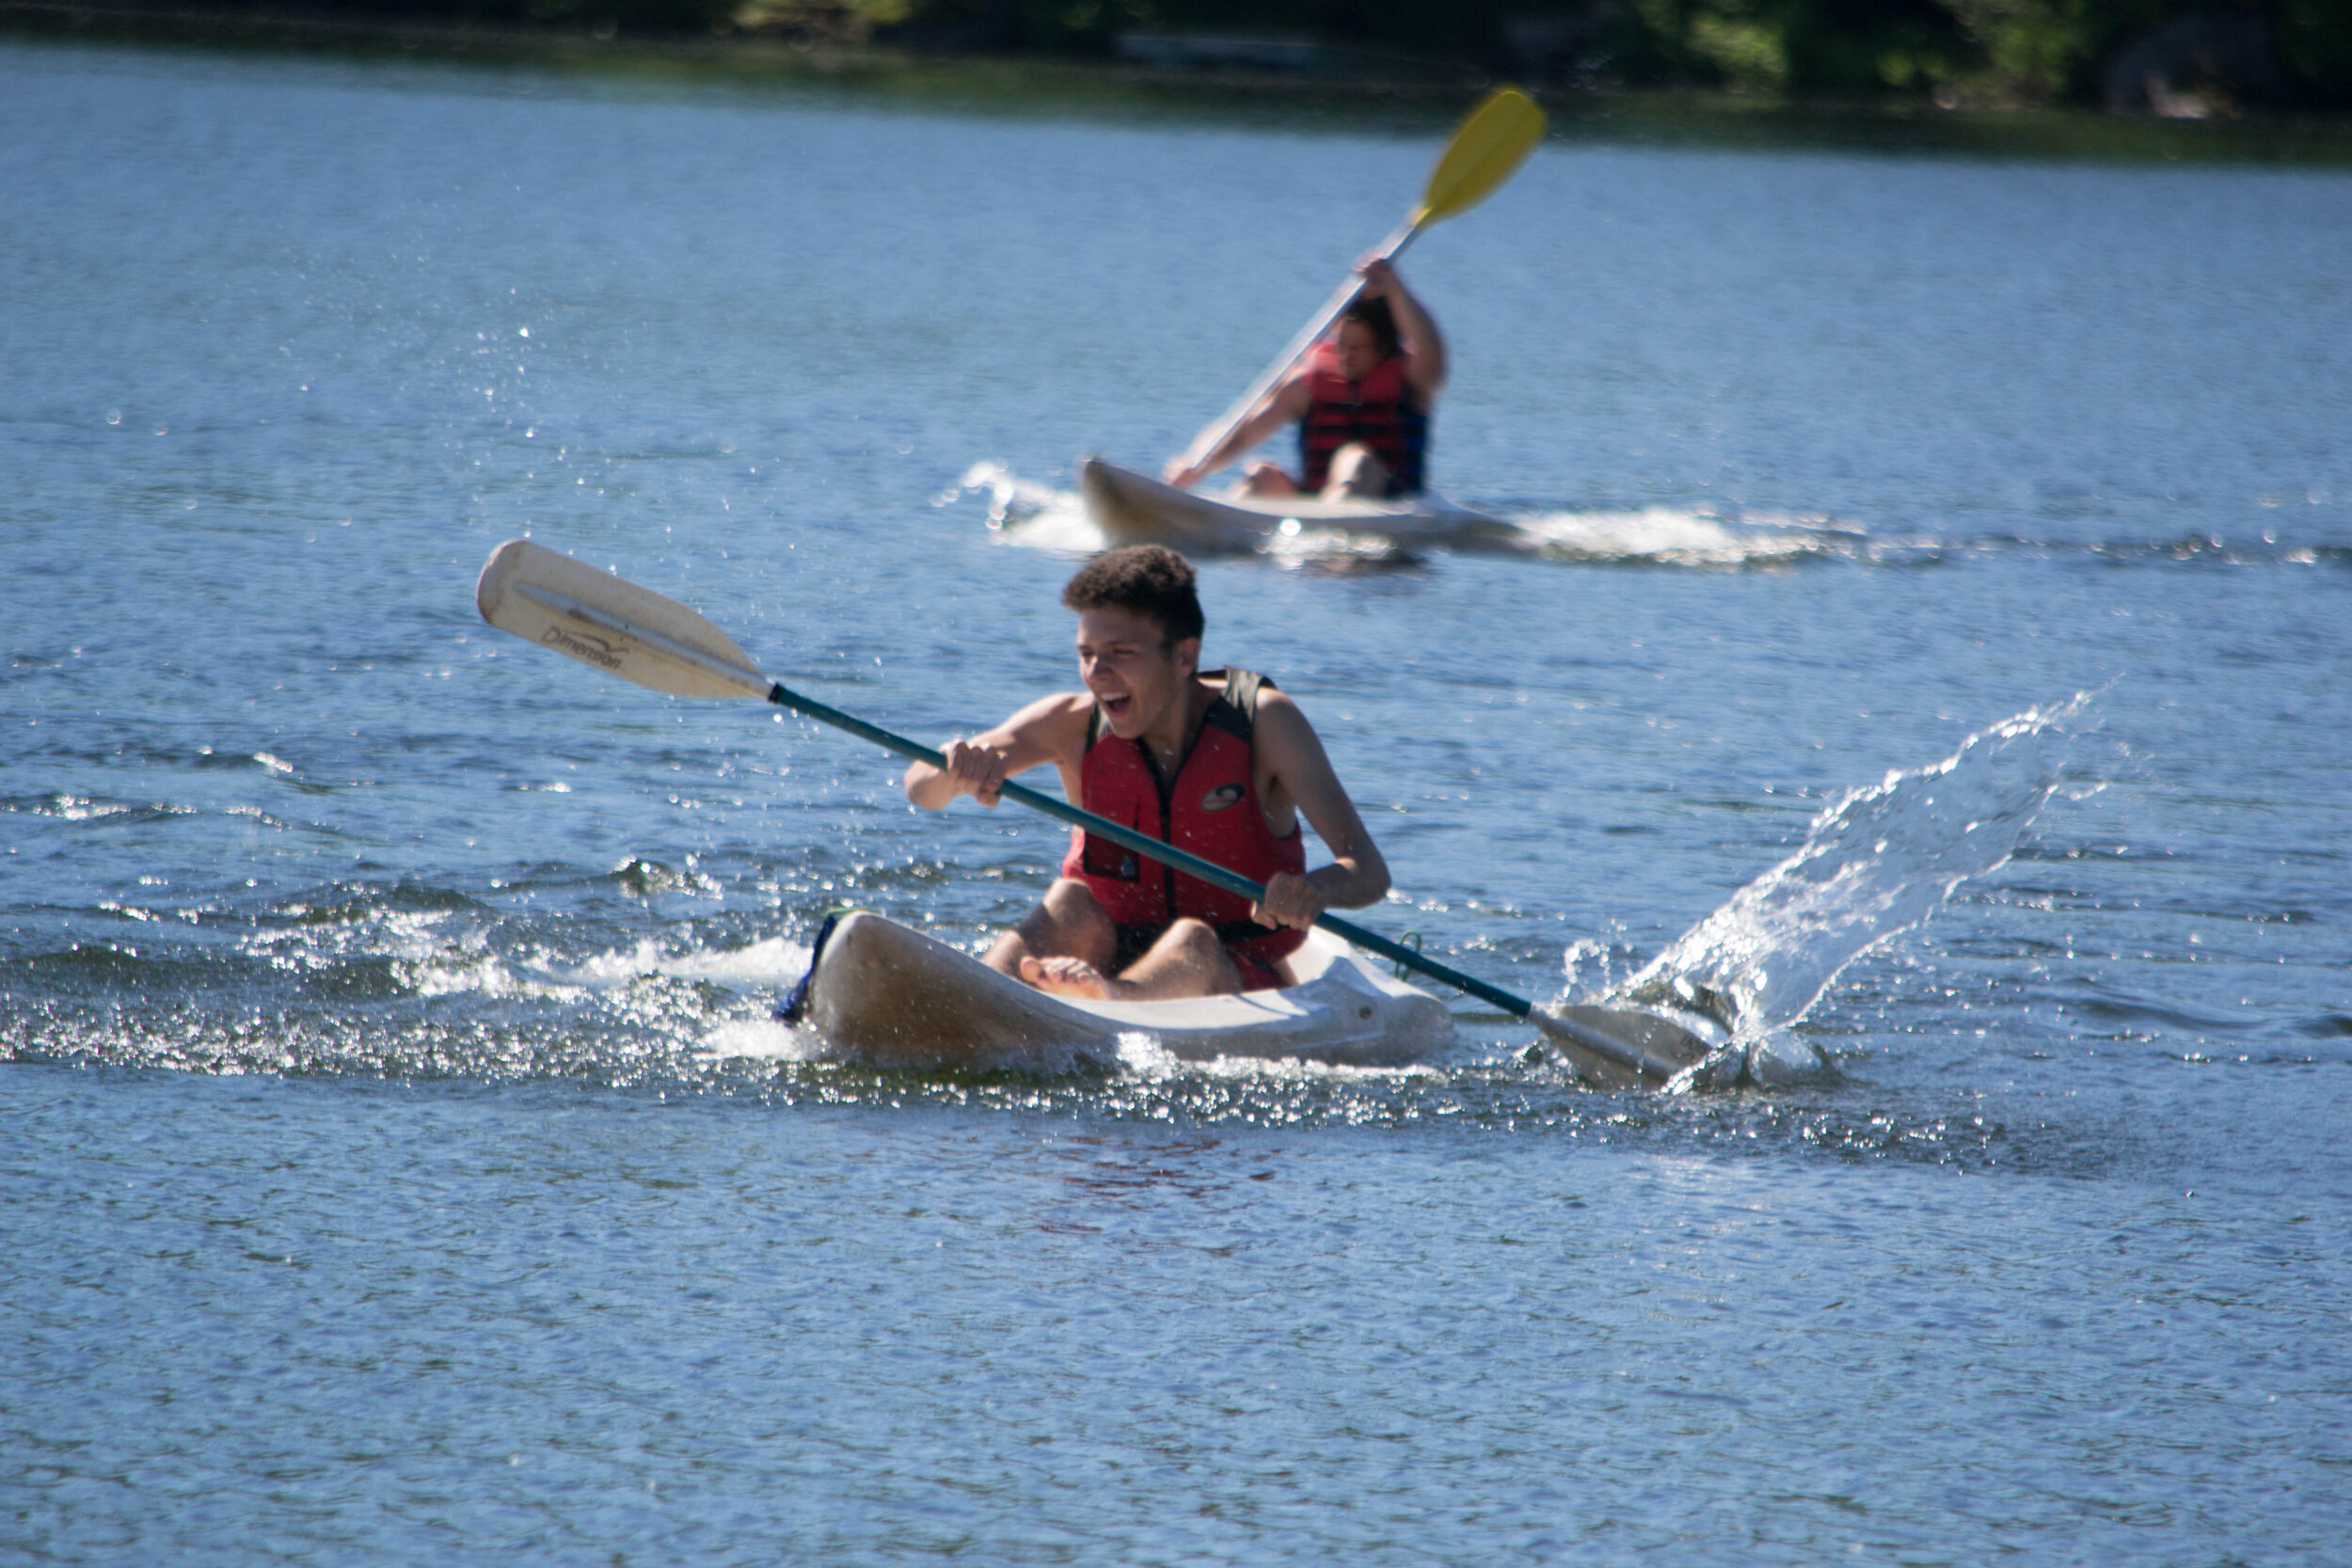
(1132, 509)
(892, 996)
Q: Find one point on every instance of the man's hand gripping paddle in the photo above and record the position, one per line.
(638, 635)
(1486, 150)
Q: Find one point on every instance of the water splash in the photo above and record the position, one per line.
(767, 962)
(1876, 862)
(1022, 511)
(1142, 1059)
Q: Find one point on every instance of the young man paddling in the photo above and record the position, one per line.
(1219, 763)
(1361, 399)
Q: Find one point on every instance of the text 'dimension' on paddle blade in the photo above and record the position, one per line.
(601, 620)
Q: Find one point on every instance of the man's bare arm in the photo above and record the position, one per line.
(1052, 729)
(1357, 875)
(1416, 330)
(1285, 405)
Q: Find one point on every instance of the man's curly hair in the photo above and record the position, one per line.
(1151, 580)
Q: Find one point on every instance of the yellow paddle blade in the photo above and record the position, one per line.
(1485, 152)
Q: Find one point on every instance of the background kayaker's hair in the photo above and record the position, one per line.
(1151, 580)
(1379, 320)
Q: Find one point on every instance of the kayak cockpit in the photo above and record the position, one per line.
(891, 996)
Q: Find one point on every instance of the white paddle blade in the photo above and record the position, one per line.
(1619, 1047)
(548, 598)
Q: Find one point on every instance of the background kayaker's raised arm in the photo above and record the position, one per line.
(1361, 400)
(1417, 330)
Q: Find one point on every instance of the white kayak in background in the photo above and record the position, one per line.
(1133, 509)
(893, 997)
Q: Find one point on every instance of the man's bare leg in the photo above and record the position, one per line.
(1356, 473)
(1267, 478)
(1068, 923)
(1188, 960)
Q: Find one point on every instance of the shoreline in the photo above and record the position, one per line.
(997, 83)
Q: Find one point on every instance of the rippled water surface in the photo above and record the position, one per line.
(1927, 628)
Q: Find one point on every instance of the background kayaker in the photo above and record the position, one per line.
(1216, 762)
(1361, 400)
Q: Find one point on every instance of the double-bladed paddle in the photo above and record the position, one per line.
(1486, 150)
(597, 618)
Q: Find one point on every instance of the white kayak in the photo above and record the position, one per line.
(893, 997)
(1133, 509)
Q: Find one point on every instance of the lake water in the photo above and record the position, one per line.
(377, 1183)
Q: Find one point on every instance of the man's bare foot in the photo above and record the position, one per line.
(1072, 977)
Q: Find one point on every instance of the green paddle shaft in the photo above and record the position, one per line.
(1167, 854)
(631, 632)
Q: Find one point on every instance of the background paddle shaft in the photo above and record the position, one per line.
(1167, 854)
(1235, 417)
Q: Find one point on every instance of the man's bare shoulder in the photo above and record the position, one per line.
(1062, 705)
(1282, 725)
(1055, 726)
(1273, 700)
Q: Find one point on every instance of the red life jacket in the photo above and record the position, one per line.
(1209, 808)
(1380, 411)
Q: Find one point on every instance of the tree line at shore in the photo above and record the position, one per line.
(2184, 58)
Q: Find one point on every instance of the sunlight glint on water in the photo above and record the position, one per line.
(401, 1162)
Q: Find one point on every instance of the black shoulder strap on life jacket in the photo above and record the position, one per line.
(1236, 710)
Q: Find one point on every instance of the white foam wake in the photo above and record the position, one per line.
(1876, 862)
(767, 962)
(1025, 512)
(1680, 536)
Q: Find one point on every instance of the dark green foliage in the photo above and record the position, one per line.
(2315, 44)
(1986, 51)
(1950, 51)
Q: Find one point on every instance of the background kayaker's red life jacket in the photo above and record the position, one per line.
(1209, 808)
(1380, 411)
